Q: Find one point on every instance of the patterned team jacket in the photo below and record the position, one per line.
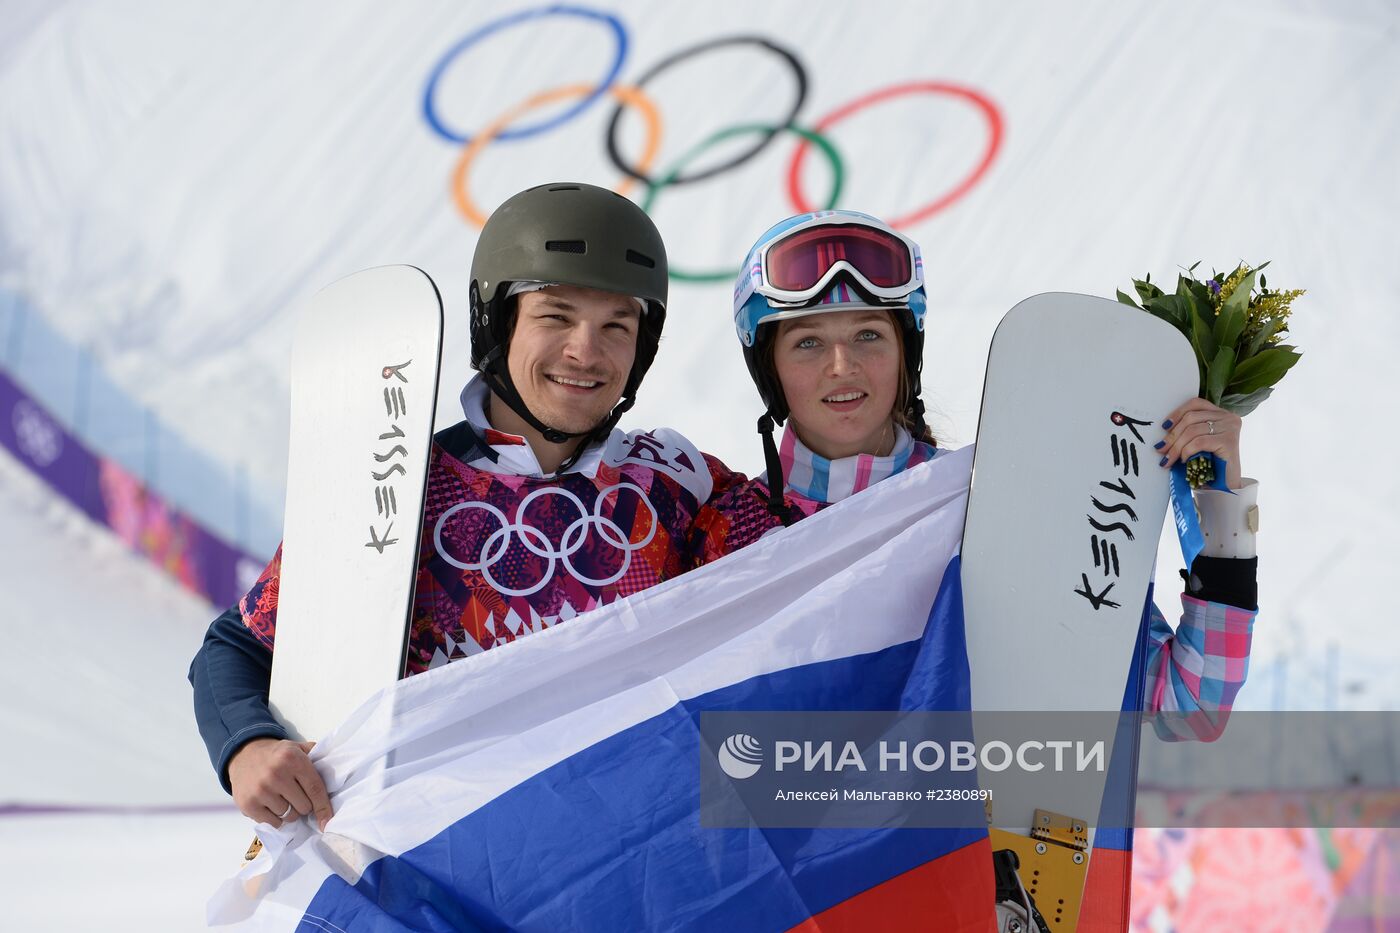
(506, 553)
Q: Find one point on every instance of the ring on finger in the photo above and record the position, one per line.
(1211, 426)
(287, 813)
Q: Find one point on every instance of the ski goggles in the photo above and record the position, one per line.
(800, 264)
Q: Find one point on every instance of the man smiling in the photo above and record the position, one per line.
(538, 508)
(572, 350)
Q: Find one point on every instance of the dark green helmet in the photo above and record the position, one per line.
(565, 234)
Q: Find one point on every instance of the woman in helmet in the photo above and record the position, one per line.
(829, 308)
(830, 312)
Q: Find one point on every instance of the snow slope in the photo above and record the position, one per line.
(98, 718)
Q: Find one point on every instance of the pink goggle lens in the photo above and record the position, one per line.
(799, 262)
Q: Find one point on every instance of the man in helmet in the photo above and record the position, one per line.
(538, 508)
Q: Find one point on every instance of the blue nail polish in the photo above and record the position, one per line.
(1167, 424)
(1159, 445)
(1162, 462)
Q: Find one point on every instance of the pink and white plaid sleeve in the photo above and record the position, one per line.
(1196, 670)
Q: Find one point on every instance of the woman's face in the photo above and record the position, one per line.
(840, 375)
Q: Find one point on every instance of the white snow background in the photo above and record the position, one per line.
(174, 177)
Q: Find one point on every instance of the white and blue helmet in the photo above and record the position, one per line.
(829, 261)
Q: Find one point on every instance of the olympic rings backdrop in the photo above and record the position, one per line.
(639, 169)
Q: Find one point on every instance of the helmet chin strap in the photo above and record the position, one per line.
(498, 378)
(499, 381)
(777, 482)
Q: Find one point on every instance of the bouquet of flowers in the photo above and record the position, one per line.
(1237, 325)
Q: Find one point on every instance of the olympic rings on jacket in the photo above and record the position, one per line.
(985, 106)
(838, 177)
(631, 95)
(798, 72)
(619, 56)
(535, 541)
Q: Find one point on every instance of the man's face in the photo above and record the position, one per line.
(571, 352)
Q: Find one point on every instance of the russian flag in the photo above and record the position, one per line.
(553, 783)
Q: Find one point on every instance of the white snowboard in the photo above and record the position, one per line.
(363, 388)
(1063, 520)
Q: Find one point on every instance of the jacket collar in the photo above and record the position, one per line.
(510, 454)
(813, 476)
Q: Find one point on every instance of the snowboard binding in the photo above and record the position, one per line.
(1015, 908)
(1047, 867)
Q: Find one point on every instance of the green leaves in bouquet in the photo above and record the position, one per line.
(1238, 366)
(1244, 404)
(1218, 373)
(1197, 297)
(1173, 309)
(1203, 339)
(1260, 339)
(1229, 324)
(1262, 370)
(1146, 290)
